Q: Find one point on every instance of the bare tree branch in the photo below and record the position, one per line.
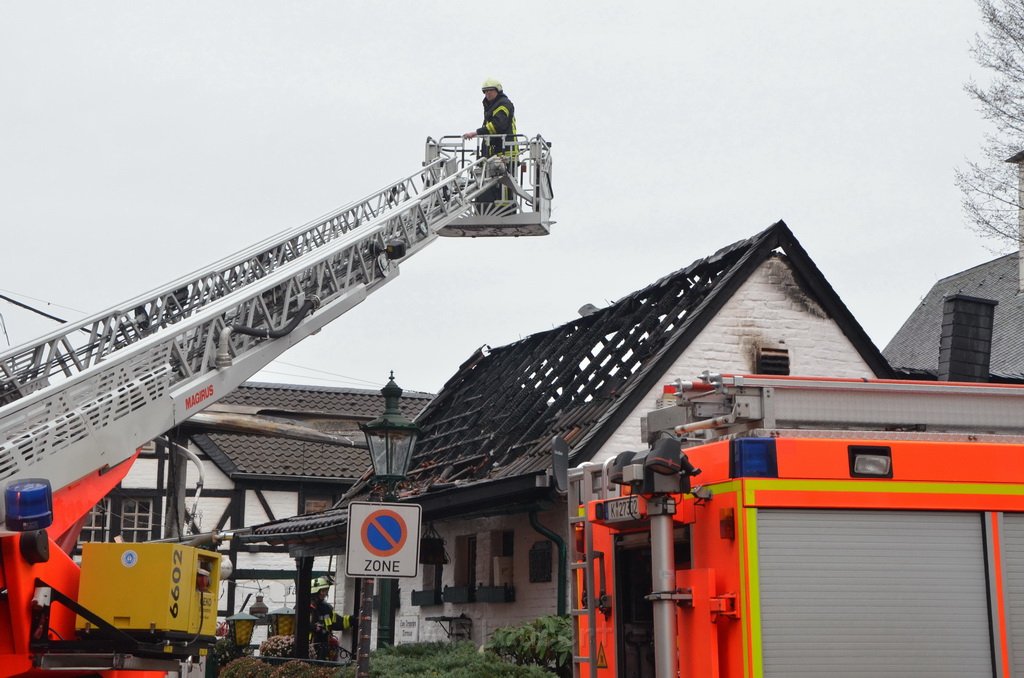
(991, 201)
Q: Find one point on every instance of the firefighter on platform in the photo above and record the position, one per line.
(321, 617)
(499, 119)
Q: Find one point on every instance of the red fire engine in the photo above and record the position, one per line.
(785, 526)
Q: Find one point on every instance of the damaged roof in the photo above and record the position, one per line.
(497, 415)
(915, 347)
(493, 422)
(330, 417)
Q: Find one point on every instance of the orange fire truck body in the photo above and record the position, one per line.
(810, 549)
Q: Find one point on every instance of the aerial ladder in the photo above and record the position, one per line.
(77, 403)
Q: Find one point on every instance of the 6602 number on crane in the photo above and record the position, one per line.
(177, 559)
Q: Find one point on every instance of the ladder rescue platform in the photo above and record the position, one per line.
(511, 192)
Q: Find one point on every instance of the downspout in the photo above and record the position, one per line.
(562, 558)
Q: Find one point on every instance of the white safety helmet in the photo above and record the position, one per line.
(320, 584)
(491, 83)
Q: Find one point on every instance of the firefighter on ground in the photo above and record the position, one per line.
(321, 617)
(499, 119)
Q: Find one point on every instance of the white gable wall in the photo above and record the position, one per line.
(213, 477)
(769, 309)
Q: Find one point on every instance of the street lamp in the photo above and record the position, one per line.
(282, 621)
(391, 439)
(240, 627)
(259, 609)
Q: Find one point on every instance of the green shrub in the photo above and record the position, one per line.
(545, 642)
(225, 651)
(253, 667)
(444, 660)
(246, 667)
(299, 669)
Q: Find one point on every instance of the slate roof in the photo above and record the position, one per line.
(334, 409)
(493, 421)
(915, 347)
(238, 454)
(348, 402)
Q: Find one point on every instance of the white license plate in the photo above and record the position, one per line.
(625, 508)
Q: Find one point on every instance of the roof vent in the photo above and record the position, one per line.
(771, 361)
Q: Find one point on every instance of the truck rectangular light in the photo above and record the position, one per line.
(868, 461)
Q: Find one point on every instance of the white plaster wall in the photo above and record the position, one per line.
(769, 309)
(143, 473)
(282, 504)
(208, 511)
(213, 477)
(271, 561)
(532, 599)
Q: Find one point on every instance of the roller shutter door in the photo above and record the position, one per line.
(873, 593)
(1013, 584)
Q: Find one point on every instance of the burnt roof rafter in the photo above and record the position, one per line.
(555, 379)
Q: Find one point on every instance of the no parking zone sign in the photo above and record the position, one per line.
(383, 540)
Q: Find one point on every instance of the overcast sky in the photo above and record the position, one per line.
(144, 140)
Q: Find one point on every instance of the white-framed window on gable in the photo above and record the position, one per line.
(136, 519)
(97, 523)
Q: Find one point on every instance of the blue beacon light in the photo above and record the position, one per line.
(753, 458)
(29, 504)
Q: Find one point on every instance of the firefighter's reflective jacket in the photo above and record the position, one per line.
(499, 118)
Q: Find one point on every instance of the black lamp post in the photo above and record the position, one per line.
(391, 439)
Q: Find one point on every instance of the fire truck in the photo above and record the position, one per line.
(76, 404)
(791, 526)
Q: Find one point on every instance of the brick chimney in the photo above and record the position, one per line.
(1018, 160)
(966, 342)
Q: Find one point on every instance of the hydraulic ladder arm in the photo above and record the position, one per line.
(87, 395)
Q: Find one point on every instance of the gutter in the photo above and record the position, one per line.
(562, 558)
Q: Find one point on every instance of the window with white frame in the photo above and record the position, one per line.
(136, 519)
(97, 523)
